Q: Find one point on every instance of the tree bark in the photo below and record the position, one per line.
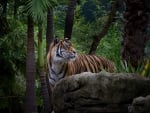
(69, 18)
(49, 39)
(101, 34)
(44, 87)
(50, 27)
(30, 96)
(15, 8)
(4, 5)
(4, 27)
(135, 32)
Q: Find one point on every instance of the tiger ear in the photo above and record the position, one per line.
(56, 40)
(66, 39)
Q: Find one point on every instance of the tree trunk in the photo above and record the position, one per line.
(44, 87)
(15, 8)
(69, 18)
(49, 39)
(135, 32)
(4, 5)
(49, 31)
(4, 27)
(101, 34)
(30, 96)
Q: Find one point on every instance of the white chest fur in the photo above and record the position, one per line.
(56, 72)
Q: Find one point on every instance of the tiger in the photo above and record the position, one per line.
(63, 60)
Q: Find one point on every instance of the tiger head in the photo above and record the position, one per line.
(62, 51)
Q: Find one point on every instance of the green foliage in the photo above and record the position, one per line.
(146, 69)
(84, 30)
(147, 60)
(38, 8)
(127, 68)
(147, 49)
(12, 60)
(82, 36)
(110, 46)
(87, 10)
(59, 19)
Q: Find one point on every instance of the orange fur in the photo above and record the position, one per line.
(89, 63)
(82, 63)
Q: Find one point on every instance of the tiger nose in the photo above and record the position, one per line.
(74, 52)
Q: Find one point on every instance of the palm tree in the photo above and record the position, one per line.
(37, 9)
(69, 18)
(135, 34)
(49, 30)
(4, 29)
(49, 39)
(44, 87)
(30, 103)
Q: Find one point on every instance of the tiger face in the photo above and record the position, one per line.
(63, 51)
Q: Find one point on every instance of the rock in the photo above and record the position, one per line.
(98, 92)
(141, 105)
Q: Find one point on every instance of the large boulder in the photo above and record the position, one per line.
(98, 92)
(140, 105)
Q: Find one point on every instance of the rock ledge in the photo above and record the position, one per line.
(99, 93)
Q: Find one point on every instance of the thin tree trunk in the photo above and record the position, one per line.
(4, 27)
(44, 88)
(135, 32)
(4, 4)
(69, 18)
(15, 8)
(50, 27)
(101, 34)
(30, 96)
(49, 39)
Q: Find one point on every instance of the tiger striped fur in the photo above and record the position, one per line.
(62, 61)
